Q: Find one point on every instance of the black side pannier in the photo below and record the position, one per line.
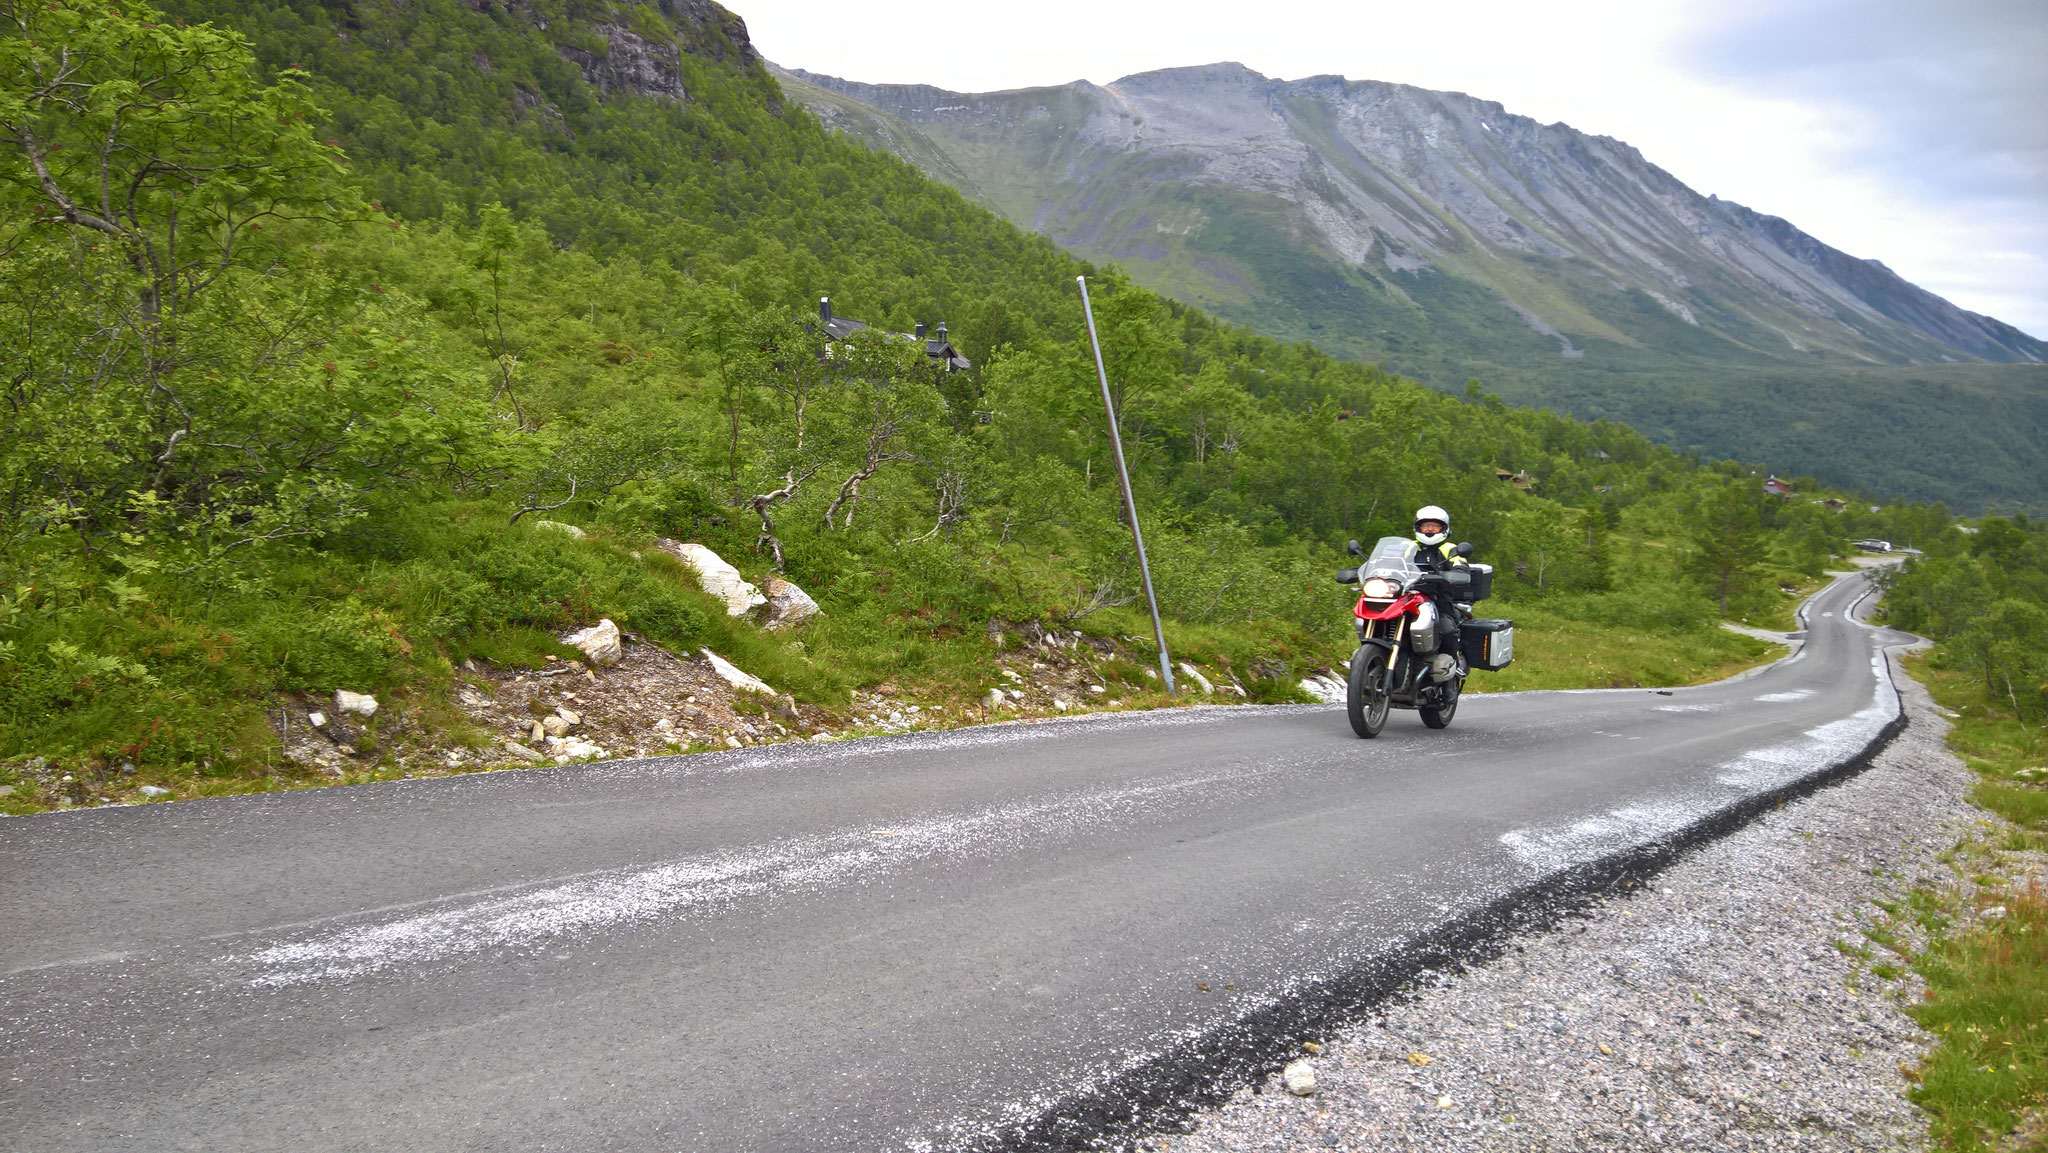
(1488, 645)
(1482, 584)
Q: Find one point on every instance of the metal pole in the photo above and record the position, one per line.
(1123, 475)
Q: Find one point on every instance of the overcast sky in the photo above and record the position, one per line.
(1912, 131)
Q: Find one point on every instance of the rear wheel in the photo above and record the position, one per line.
(1365, 697)
(1440, 716)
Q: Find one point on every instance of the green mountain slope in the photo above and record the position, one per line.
(1451, 240)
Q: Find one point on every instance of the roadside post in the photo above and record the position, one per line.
(1123, 476)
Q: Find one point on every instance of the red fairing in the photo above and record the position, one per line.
(1400, 608)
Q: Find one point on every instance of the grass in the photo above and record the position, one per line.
(1985, 1084)
(1553, 651)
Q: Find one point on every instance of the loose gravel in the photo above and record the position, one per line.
(1729, 1006)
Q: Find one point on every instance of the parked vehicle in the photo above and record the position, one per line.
(1872, 544)
(1401, 662)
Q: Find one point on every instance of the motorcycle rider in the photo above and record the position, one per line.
(1435, 553)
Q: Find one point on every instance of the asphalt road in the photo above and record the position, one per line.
(904, 942)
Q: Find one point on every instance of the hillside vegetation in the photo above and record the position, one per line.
(310, 315)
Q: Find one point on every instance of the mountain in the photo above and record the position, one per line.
(1451, 239)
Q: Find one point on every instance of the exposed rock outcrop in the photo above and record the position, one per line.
(787, 605)
(718, 578)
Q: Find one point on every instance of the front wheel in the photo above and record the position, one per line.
(1440, 716)
(1365, 697)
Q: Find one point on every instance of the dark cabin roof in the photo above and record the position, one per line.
(938, 348)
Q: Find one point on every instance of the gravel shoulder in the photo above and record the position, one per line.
(1715, 1009)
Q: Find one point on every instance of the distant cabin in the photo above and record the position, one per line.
(1776, 487)
(936, 346)
(1833, 504)
(1521, 480)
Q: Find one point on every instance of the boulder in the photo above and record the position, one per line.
(558, 526)
(731, 674)
(361, 704)
(1328, 690)
(599, 643)
(153, 791)
(787, 607)
(719, 578)
(521, 751)
(1190, 672)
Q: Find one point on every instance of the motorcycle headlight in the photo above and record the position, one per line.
(1380, 589)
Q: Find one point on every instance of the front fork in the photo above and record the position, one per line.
(1395, 651)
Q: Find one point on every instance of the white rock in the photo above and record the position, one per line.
(558, 526)
(555, 726)
(1192, 673)
(1300, 1078)
(569, 716)
(1059, 704)
(787, 607)
(664, 725)
(361, 704)
(317, 720)
(519, 750)
(599, 643)
(568, 749)
(896, 718)
(994, 699)
(1328, 690)
(730, 674)
(1012, 674)
(719, 578)
(153, 791)
(731, 742)
(538, 733)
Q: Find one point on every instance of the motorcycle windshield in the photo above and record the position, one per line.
(1393, 558)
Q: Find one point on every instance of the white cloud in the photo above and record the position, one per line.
(1864, 122)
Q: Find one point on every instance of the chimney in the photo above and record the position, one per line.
(920, 330)
(825, 309)
(942, 332)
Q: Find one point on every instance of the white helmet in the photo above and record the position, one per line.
(1432, 512)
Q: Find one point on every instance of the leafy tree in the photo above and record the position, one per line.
(1730, 546)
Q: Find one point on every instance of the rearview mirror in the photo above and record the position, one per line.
(1464, 548)
(1353, 549)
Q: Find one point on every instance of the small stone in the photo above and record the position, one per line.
(521, 750)
(1059, 704)
(152, 791)
(1312, 1048)
(1994, 913)
(555, 726)
(558, 526)
(664, 725)
(1189, 671)
(1300, 1078)
(896, 718)
(1012, 674)
(361, 704)
(538, 733)
(317, 720)
(1096, 690)
(599, 643)
(994, 699)
(569, 716)
(731, 742)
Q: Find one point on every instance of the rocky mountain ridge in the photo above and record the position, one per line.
(1332, 199)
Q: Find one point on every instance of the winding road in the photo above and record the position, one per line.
(1023, 935)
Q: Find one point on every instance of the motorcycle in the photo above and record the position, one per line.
(1402, 660)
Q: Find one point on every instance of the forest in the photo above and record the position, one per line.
(315, 320)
